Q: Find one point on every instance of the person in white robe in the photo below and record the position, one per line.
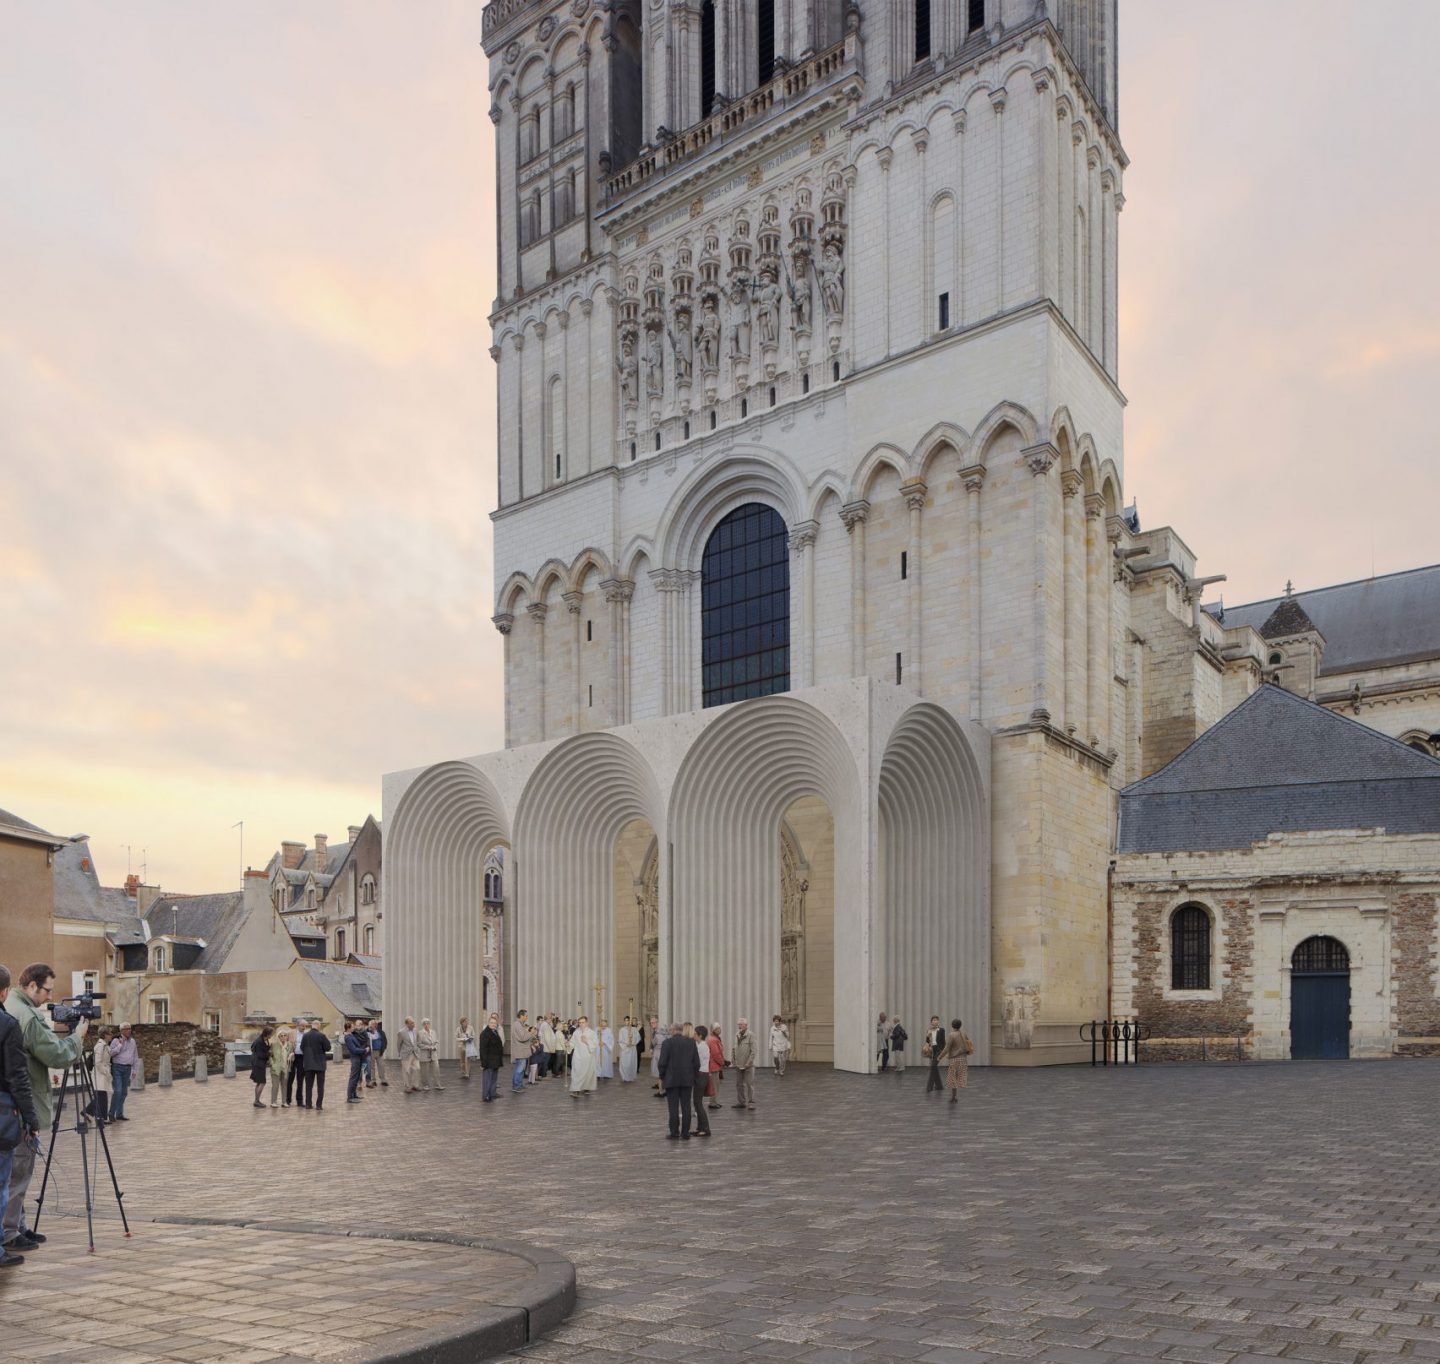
(584, 1048)
(606, 1068)
(629, 1059)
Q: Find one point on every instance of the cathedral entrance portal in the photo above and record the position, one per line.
(636, 971)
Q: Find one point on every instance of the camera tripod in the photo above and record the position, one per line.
(81, 1089)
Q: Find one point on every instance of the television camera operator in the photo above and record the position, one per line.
(45, 1050)
(18, 1119)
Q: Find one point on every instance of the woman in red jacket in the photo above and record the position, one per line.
(717, 1066)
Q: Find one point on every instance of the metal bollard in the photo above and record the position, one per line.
(202, 1070)
(165, 1071)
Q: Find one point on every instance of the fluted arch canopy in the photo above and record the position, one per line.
(934, 912)
(435, 847)
(574, 805)
(731, 792)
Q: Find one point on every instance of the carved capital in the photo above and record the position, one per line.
(519, 341)
(1107, 181)
(503, 621)
(1119, 200)
(920, 138)
(618, 590)
(1094, 506)
(537, 611)
(1092, 157)
(564, 320)
(960, 121)
(1041, 78)
(998, 98)
(666, 580)
(974, 476)
(1040, 459)
(573, 602)
(495, 353)
(540, 329)
(802, 535)
(855, 514)
(587, 306)
(885, 156)
(1077, 133)
(914, 491)
(1071, 482)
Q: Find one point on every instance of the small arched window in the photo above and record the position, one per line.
(339, 944)
(367, 890)
(1190, 948)
(1322, 956)
(369, 940)
(1276, 658)
(159, 960)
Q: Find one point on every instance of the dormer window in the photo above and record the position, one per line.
(157, 960)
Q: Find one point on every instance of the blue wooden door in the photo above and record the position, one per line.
(1320, 1016)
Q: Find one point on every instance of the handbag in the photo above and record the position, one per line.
(969, 1047)
(471, 1051)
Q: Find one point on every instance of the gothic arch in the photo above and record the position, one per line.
(934, 831)
(736, 782)
(828, 482)
(936, 441)
(579, 797)
(435, 846)
(879, 456)
(1062, 426)
(714, 489)
(638, 551)
(586, 560)
(551, 573)
(1001, 416)
(518, 590)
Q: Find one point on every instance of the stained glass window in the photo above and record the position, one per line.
(745, 607)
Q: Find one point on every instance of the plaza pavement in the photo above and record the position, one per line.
(1194, 1213)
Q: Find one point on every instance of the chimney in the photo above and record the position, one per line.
(291, 854)
(132, 886)
(354, 832)
(322, 856)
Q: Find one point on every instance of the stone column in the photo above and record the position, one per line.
(573, 602)
(914, 491)
(974, 476)
(1071, 486)
(854, 515)
(536, 611)
(504, 622)
(688, 604)
(1040, 459)
(802, 545)
(617, 594)
(1097, 595)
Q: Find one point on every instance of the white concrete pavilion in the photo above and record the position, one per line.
(823, 854)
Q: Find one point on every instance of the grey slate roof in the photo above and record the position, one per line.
(80, 896)
(1280, 763)
(217, 919)
(15, 822)
(1388, 620)
(353, 990)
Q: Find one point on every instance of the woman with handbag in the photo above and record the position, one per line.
(260, 1063)
(100, 1078)
(956, 1054)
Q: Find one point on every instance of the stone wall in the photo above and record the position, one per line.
(1417, 1009)
(182, 1042)
(1218, 1012)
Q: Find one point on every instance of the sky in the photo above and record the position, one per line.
(247, 407)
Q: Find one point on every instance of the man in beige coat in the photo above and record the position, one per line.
(407, 1048)
(742, 1057)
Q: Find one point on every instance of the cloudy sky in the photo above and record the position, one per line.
(246, 405)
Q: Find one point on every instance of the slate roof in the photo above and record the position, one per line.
(1287, 619)
(28, 832)
(353, 990)
(217, 919)
(1279, 763)
(79, 896)
(1378, 621)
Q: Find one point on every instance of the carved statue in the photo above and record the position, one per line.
(800, 302)
(790, 978)
(740, 321)
(707, 336)
(767, 299)
(654, 365)
(683, 347)
(832, 280)
(629, 368)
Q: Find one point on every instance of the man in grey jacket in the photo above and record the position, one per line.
(16, 1097)
(522, 1038)
(742, 1057)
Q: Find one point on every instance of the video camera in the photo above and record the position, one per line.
(68, 1012)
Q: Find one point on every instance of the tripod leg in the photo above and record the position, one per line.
(50, 1154)
(89, 1084)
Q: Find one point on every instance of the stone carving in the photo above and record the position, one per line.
(793, 888)
(682, 346)
(800, 302)
(629, 368)
(832, 281)
(767, 304)
(654, 365)
(707, 336)
(647, 899)
(740, 321)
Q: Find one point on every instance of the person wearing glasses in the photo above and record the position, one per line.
(124, 1057)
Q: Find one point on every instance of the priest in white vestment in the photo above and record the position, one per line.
(584, 1049)
(606, 1068)
(629, 1059)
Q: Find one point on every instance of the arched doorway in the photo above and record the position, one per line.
(1320, 1001)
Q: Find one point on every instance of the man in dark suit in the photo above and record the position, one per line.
(679, 1069)
(314, 1058)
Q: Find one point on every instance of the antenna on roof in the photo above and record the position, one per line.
(241, 827)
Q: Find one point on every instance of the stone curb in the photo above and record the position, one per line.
(509, 1319)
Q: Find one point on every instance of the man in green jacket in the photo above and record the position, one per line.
(45, 1050)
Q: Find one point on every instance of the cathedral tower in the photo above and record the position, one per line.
(808, 384)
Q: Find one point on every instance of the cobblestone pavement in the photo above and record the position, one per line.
(1191, 1213)
(228, 1294)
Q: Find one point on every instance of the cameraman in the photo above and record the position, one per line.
(44, 1051)
(15, 1100)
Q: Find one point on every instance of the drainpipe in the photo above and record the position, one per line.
(1110, 939)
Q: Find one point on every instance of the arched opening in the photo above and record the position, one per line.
(627, 84)
(745, 607)
(765, 42)
(1190, 948)
(443, 831)
(573, 828)
(934, 916)
(922, 29)
(1320, 1000)
(707, 57)
(637, 923)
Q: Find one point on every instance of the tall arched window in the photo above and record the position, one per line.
(627, 82)
(922, 29)
(339, 944)
(745, 607)
(159, 964)
(765, 41)
(1190, 948)
(707, 57)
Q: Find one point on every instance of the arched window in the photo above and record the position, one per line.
(1322, 955)
(1190, 948)
(367, 890)
(975, 15)
(765, 41)
(369, 940)
(1276, 658)
(627, 81)
(339, 944)
(922, 29)
(745, 607)
(707, 57)
(159, 960)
